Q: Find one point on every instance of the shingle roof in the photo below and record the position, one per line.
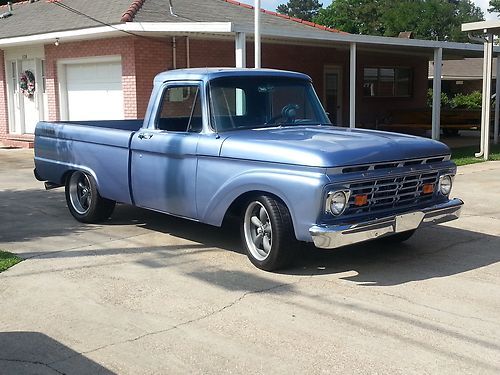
(43, 16)
(466, 69)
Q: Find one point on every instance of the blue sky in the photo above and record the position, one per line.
(272, 4)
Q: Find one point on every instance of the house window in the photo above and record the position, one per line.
(44, 80)
(14, 76)
(387, 82)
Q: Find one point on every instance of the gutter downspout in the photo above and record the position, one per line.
(174, 52)
(481, 40)
(188, 62)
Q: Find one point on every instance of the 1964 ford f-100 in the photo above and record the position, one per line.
(256, 143)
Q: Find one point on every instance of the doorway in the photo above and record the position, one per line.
(27, 108)
(333, 94)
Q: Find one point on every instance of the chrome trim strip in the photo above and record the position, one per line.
(334, 236)
(400, 163)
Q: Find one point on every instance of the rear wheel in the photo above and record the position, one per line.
(84, 201)
(267, 233)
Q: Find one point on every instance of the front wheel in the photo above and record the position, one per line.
(84, 201)
(267, 233)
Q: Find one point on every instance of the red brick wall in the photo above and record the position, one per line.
(143, 58)
(4, 120)
(151, 57)
(105, 47)
(312, 61)
(370, 109)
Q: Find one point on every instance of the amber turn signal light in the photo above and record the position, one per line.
(428, 189)
(360, 200)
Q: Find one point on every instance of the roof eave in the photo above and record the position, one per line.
(119, 30)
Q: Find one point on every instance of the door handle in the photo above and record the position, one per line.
(145, 135)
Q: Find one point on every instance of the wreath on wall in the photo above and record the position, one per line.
(27, 83)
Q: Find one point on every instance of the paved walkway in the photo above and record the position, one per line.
(145, 293)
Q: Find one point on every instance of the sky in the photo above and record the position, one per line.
(273, 4)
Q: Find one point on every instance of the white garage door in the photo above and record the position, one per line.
(94, 91)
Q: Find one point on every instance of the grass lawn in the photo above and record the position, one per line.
(465, 155)
(7, 260)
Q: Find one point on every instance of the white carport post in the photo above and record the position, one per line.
(257, 43)
(436, 93)
(489, 28)
(497, 102)
(352, 87)
(241, 50)
(486, 113)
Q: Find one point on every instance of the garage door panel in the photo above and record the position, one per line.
(94, 91)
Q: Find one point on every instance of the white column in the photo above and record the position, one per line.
(436, 94)
(487, 107)
(352, 87)
(241, 50)
(483, 101)
(257, 35)
(497, 103)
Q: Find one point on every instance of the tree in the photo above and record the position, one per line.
(354, 16)
(428, 19)
(494, 6)
(304, 9)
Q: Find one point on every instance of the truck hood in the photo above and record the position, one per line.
(326, 146)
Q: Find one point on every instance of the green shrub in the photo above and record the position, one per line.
(445, 100)
(470, 101)
(459, 101)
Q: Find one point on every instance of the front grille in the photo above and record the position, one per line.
(392, 192)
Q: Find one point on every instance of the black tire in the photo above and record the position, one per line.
(398, 237)
(84, 201)
(274, 227)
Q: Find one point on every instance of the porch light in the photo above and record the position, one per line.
(56, 43)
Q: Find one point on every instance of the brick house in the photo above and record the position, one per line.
(97, 59)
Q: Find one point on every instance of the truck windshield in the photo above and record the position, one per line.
(255, 102)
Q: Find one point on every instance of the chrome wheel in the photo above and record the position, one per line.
(80, 192)
(258, 231)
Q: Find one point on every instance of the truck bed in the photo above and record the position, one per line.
(98, 146)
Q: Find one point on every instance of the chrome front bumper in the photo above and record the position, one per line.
(333, 236)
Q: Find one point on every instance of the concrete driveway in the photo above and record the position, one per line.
(146, 293)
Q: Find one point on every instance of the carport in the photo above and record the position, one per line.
(437, 51)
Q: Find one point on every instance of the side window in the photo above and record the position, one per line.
(180, 109)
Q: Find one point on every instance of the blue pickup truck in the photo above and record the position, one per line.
(256, 144)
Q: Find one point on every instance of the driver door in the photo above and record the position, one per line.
(164, 160)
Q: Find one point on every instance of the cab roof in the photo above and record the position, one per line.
(207, 74)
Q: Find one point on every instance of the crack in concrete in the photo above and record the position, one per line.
(481, 216)
(48, 365)
(41, 255)
(437, 309)
(195, 320)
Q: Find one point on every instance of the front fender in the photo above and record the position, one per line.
(299, 188)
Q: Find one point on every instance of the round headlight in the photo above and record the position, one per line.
(337, 202)
(445, 184)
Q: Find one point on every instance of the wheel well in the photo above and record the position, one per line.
(66, 175)
(236, 208)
